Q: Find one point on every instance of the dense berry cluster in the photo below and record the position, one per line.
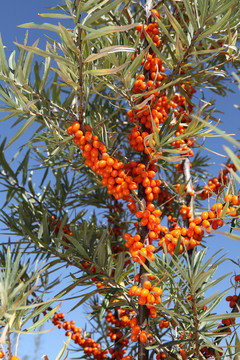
(89, 346)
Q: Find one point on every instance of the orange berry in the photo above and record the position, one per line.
(136, 278)
(235, 200)
(133, 322)
(228, 198)
(156, 13)
(75, 126)
(1, 354)
(157, 291)
(144, 293)
(143, 336)
(237, 278)
(136, 329)
(147, 285)
(204, 215)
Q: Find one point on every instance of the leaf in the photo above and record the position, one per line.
(42, 320)
(233, 157)
(119, 266)
(156, 51)
(229, 235)
(28, 61)
(95, 34)
(237, 347)
(63, 349)
(82, 252)
(3, 60)
(223, 316)
(22, 130)
(179, 49)
(217, 26)
(67, 37)
(109, 50)
(44, 26)
(220, 132)
(177, 27)
(56, 16)
(4, 163)
(190, 14)
(164, 29)
(87, 6)
(43, 53)
(204, 11)
(97, 14)
(101, 72)
(45, 74)
(136, 63)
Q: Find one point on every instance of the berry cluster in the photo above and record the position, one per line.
(90, 347)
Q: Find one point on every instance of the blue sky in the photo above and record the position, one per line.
(15, 12)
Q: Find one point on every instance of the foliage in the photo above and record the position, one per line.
(107, 65)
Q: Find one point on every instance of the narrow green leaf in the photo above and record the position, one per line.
(85, 298)
(22, 130)
(179, 49)
(82, 252)
(222, 316)
(101, 72)
(43, 53)
(55, 16)
(119, 266)
(164, 29)
(43, 319)
(233, 157)
(204, 12)
(63, 349)
(3, 60)
(109, 50)
(28, 61)
(190, 14)
(44, 26)
(177, 27)
(89, 19)
(95, 34)
(217, 26)
(45, 74)
(67, 37)
(136, 63)
(156, 51)
(223, 6)
(88, 6)
(4, 164)
(237, 347)
(231, 236)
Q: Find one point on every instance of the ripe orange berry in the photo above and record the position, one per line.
(133, 322)
(75, 126)
(235, 200)
(147, 285)
(144, 292)
(156, 13)
(204, 215)
(143, 336)
(1, 354)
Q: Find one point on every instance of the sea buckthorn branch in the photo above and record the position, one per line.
(188, 181)
(234, 302)
(134, 182)
(196, 329)
(43, 99)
